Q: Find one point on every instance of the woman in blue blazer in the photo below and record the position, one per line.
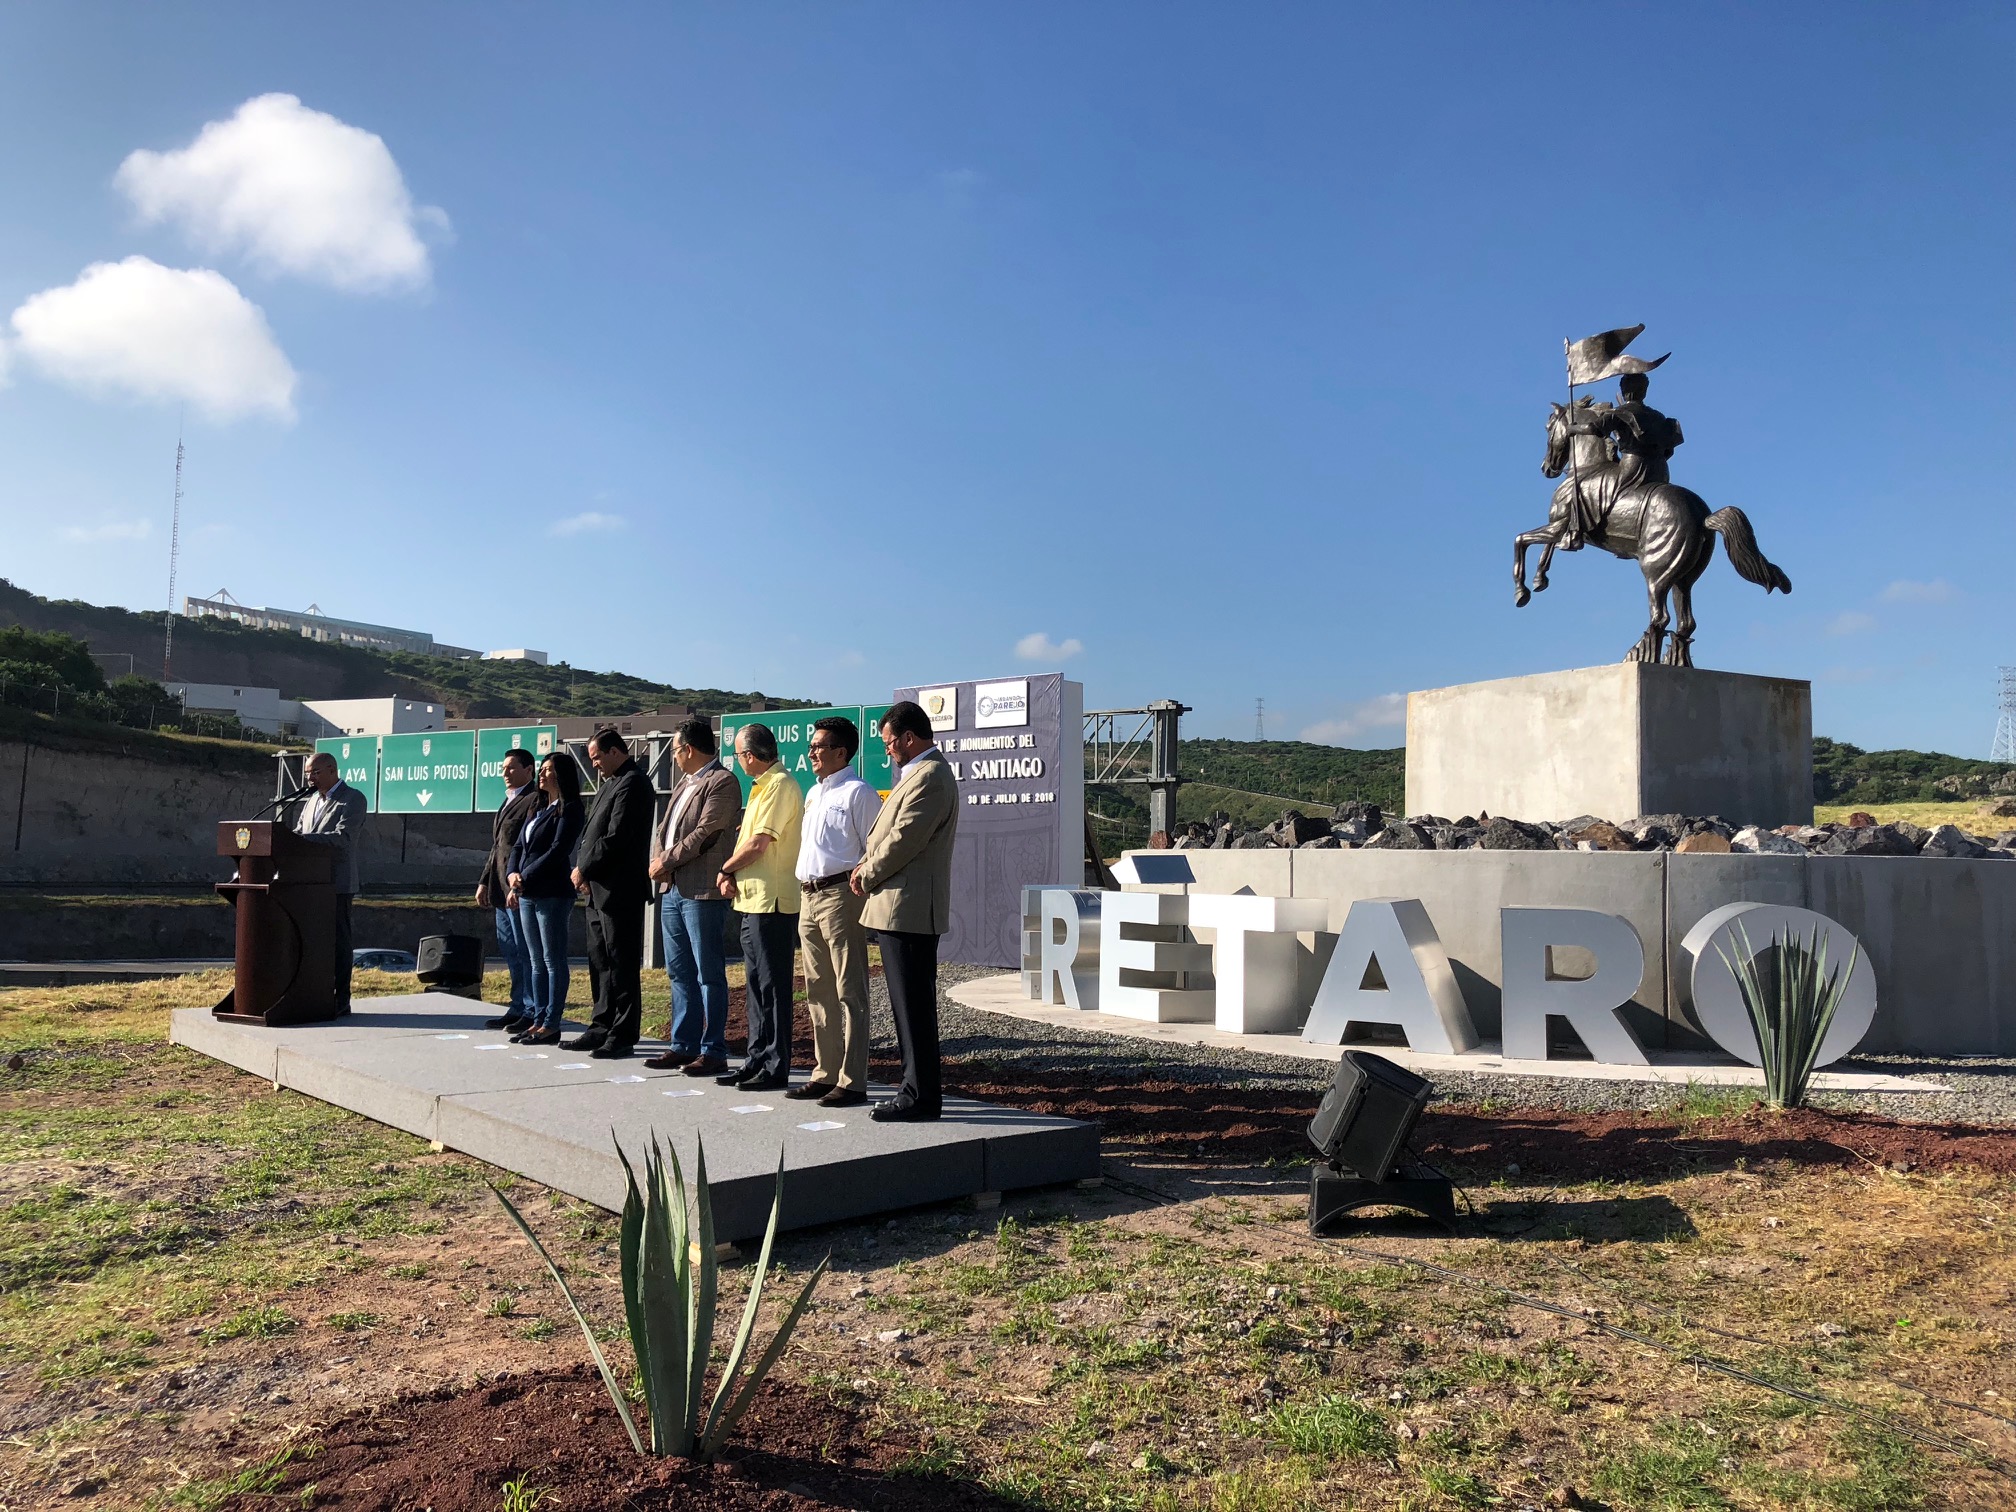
(542, 890)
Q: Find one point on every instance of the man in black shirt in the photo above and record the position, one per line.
(612, 869)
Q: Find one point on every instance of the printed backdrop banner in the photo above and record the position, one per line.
(1017, 746)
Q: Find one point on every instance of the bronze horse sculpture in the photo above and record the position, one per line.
(1666, 529)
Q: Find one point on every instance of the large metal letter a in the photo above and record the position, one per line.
(1420, 995)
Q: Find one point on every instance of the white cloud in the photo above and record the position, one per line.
(1904, 591)
(111, 530)
(1040, 648)
(140, 329)
(294, 190)
(588, 522)
(1386, 712)
(1854, 622)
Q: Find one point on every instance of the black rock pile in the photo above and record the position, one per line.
(1361, 826)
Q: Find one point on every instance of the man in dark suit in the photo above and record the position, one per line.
(611, 869)
(493, 889)
(335, 817)
(906, 878)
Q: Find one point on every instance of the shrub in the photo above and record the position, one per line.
(670, 1281)
(1791, 998)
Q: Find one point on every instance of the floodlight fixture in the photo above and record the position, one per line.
(1361, 1130)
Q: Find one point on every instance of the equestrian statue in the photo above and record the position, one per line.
(1616, 494)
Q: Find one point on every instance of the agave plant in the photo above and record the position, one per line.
(1793, 1010)
(670, 1281)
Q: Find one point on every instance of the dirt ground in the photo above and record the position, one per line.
(213, 1295)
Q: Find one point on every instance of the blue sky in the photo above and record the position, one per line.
(828, 348)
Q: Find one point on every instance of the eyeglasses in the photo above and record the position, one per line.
(824, 745)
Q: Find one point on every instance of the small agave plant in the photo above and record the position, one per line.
(670, 1281)
(1791, 1004)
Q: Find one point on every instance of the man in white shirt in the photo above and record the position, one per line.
(839, 812)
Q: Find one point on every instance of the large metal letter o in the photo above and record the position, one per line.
(1718, 1004)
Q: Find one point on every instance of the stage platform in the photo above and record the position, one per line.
(425, 1063)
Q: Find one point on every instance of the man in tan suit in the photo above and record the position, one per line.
(906, 878)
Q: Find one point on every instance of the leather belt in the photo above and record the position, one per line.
(820, 884)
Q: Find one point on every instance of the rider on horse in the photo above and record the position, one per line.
(1644, 439)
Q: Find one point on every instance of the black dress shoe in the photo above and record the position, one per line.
(538, 1037)
(508, 1021)
(903, 1112)
(844, 1097)
(707, 1065)
(582, 1042)
(765, 1084)
(736, 1077)
(810, 1090)
(671, 1060)
(607, 1051)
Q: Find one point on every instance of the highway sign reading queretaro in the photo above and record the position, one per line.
(356, 763)
(427, 774)
(490, 748)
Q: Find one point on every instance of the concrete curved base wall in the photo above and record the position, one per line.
(1941, 934)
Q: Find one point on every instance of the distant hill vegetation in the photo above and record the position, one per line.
(221, 651)
(1843, 773)
(1253, 781)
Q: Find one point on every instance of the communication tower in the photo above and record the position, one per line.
(2004, 748)
(1259, 719)
(174, 562)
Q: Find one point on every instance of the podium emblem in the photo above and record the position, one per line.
(243, 837)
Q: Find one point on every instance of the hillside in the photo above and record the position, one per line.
(219, 651)
(1253, 781)
(1844, 773)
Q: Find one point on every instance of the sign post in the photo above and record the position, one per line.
(427, 774)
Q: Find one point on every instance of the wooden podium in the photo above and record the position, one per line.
(286, 906)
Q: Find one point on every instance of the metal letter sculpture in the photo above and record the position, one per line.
(1147, 960)
(1617, 496)
(1420, 997)
(1718, 1005)
(1256, 960)
(1590, 1004)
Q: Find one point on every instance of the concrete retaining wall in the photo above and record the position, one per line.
(1941, 934)
(84, 817)
(143, 929)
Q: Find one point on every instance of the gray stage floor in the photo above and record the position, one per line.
(425, 1063)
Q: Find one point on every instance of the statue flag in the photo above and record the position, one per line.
(1594, 358)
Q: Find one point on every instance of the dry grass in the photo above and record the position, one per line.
(1971, 817)
(198, 1270)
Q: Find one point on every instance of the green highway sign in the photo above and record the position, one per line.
(873, 762)
(434, 773)
(356, 763)
(793, 729)
(491, 745)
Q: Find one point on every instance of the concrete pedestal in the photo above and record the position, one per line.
(1616, 742)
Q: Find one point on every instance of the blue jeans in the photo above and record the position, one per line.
(511, 946)
(690, 929)
(543, 924)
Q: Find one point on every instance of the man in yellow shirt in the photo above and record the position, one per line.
(760, 875)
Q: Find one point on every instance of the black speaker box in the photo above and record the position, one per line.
(451, 963)
(1368, 1113)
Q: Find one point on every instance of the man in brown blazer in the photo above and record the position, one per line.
(521, 797)
(688, 847)
(906, 878)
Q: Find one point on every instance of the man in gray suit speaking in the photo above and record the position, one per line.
(906, 878)
(335, 817)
